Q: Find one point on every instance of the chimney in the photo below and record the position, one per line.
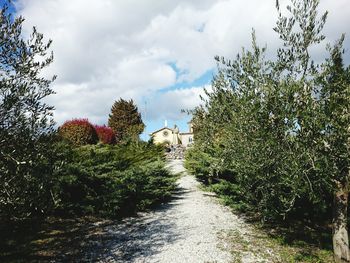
(165, 123)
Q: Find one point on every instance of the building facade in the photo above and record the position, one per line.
(172, 136)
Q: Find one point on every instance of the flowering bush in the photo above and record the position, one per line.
(79, 132)
(105, 134)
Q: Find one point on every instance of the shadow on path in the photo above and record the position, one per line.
(132, 238)
(89, 239)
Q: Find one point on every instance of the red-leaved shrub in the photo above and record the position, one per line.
(105, 134)
(79, 132)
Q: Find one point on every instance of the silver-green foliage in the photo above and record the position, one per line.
(25, 120)
(279, 127)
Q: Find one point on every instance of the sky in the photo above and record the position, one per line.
(160, 53)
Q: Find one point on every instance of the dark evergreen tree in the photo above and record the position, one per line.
(26, 123)
(125, 120)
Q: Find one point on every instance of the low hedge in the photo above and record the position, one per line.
(113, 181)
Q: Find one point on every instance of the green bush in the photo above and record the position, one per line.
(27, 186)
(197, 163)
(78, 132)
(232, 195)
(113, 181)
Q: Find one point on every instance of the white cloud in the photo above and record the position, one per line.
(168, 105)
(108, 49)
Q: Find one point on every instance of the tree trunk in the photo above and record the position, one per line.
(340, 232)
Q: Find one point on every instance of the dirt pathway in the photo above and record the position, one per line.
(190, 228)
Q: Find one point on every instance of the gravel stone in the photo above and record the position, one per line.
(190, 228)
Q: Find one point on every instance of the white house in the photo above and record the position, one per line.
(172, 136)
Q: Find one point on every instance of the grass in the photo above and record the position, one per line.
(273, 249)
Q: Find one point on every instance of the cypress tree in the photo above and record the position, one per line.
(125, 120)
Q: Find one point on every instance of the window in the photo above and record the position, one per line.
(165, 133)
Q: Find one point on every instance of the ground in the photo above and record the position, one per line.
(192, 227)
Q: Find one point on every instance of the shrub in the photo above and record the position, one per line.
(198, 163)
(105, 134)
(78, 132)
(113, 181)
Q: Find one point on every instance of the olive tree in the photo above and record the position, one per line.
(334, 143)
(282, 126)
(321, 108)
(26, 122)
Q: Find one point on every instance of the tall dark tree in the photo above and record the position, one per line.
(125, 120)
(25, 120)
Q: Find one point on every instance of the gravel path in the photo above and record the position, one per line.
(190, 228)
